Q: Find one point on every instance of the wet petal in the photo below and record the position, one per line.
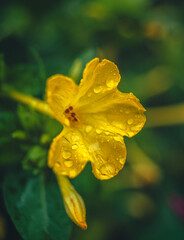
(68, 154)
(107, 150)
(60, 91)
(99, 80)
(120, 113)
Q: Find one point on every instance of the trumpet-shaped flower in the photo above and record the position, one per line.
(96, 117)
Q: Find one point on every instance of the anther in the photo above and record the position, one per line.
(67, 110)
(71, 108)
(73, 114)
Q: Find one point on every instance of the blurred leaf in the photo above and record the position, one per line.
(15, 20)
(166, 226)
(8, 124)
(19, 134)
(29, 118)
(38, 123)
(130, 7)
(50, 126)
(2, 68)
(35, 159)
(35, 206)
(26, 79)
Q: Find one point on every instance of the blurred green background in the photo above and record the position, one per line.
(145, 38)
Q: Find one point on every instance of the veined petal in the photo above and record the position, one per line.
(99, 79)
(60, 91)
(68, 154)
(107, 150)
(120, 113)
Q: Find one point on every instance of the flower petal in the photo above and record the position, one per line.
(107, 150)
(68, 154)
(120, 113)
(60, 91)
(99, 79)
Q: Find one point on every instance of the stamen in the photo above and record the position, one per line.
(71, 116)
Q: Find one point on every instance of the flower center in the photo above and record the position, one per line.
(70, 114)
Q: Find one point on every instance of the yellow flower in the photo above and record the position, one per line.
(95, 116)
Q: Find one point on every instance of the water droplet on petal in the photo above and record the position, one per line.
(136, 127)
(74, 147)
(66, 155)
(116, 138)
(88, 128)
(110, 83)
(98, 89)
(68, 163)
(121, 160)
(98, 131)
(108, 169)
(107, 133)
(57, 164)
(130, 121)
(75, 138)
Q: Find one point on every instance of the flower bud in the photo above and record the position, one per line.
(73, 202)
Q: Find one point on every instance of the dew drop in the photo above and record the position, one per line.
(136, 127)
(116, 138)
(75, 138)
(130, 121)
(88, 128)
(107, 133)
(110, 83)
(68, 163)
(74, 147)
(121, 160)
(127, 111)
(107, 169)
(57, 164)
(98, 131)
(66, 155)
(97, 89)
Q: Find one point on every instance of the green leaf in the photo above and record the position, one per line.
(167, 225)
(35, 159)
(25, 79)
(2, 68)
(8, 123)
(29, 118)
(38, 123)
(35, 206)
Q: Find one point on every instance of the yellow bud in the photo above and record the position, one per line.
(73, 202)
